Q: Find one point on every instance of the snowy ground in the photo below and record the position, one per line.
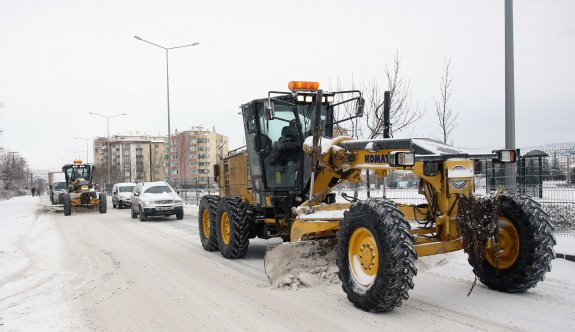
(108, 272)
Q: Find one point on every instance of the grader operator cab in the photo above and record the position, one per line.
(280, 184)
(81, 190)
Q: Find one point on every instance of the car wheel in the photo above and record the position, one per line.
(142, 214)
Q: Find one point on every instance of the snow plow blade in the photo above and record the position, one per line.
(302, 263)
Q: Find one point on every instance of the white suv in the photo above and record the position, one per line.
(156, 199)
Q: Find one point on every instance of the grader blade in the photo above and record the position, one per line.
(304, 263)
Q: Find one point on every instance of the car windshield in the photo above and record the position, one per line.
(59, 185)
(158, 190)
(126, 189)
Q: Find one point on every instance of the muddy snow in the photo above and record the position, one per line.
(109, 272)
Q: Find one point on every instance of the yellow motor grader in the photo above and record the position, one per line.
(279, 185)
(81, 190)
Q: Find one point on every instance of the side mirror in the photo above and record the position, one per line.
(360, 105)
(269, 113)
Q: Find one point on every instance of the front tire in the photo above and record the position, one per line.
(103, 203)
(526, 246)
(180, 214)
(67, 202)
(376, 258)
(232, 228)
(142, 215)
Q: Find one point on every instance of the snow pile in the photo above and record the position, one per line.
(302, 264)
(325, 144)
(313, 278)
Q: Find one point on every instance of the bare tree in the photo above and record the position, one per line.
(402, 113)
(445, 116)
(373, 112)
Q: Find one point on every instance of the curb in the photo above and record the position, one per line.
(567, 257)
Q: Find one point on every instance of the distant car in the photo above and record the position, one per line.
(156, 199)
(122, 194)
(57, 189)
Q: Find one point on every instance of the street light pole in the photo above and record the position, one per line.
(168, 94)
(107, 117)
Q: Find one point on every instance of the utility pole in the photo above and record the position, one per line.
(509, 94)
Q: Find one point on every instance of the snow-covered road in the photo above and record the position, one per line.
(109, 272)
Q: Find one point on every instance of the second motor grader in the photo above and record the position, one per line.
(81, 189)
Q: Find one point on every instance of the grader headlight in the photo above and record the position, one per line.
(401, 159)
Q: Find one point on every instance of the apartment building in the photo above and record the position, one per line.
(192, 154)
(134, 158)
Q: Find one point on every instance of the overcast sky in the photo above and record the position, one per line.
(60, 60)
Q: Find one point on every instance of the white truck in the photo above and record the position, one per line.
(57, 182)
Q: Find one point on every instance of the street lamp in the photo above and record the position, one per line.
(168, 92)
(87, 140)
(108, 117)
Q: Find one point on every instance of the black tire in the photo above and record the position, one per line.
(394, 262)
(239, 228)
(134, 214)
(180, 214)
(67, 202)
(536, 243)
(209, 205)
(142, 215)
(103, 203)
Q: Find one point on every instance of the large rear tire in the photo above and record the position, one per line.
(525, 246)
(376, 258)
(207, 222)
(232, 228)
(103, 202)
(67, 202)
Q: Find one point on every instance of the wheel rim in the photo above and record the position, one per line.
(508, 245)
(363, 256)
(206, 223)
(225, 226)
